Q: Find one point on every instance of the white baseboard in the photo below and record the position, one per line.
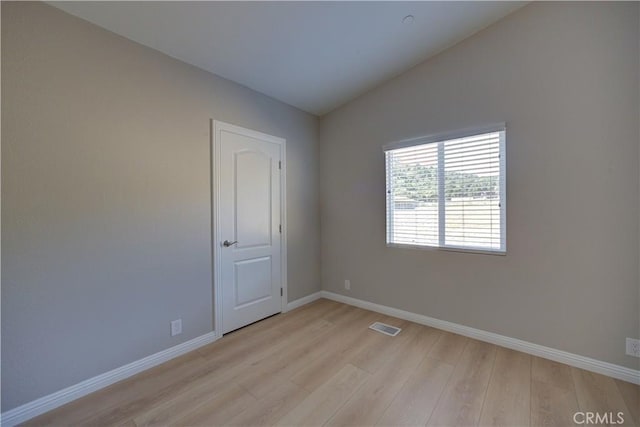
(304, 300)
(587, 363)
(44, 404)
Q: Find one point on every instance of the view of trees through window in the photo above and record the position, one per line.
(447, 193)
(420, 183)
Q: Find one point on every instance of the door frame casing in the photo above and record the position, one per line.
(216, 128)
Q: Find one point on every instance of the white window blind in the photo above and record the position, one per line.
(448, 193)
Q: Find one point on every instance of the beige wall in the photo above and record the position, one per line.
(564, 77)
(106, 215)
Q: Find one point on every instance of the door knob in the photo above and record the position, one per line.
(227, 243)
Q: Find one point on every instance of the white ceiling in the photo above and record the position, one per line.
(312, 55)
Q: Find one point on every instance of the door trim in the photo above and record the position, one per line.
(217, 127)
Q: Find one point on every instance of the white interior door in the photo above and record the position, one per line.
(249, 231)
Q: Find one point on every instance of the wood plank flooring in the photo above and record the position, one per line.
(321, 365)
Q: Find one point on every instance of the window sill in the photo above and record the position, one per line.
(446, 248)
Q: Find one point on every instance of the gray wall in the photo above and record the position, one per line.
(564, 76)
(106, 232)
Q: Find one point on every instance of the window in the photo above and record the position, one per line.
(448, 191)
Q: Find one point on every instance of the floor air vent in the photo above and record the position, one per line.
(385, 329)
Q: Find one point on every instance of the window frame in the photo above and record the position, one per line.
(443, 137)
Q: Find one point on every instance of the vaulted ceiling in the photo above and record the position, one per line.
(313, 55)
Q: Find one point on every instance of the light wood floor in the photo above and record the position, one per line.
(320, 365)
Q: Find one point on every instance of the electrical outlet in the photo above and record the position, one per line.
(176, 327)
(633, 347)
(347, 285)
